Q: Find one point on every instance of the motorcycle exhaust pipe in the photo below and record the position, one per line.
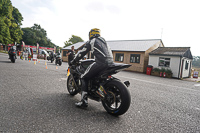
(127, 83)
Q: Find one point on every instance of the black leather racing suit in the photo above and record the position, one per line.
(103, 58)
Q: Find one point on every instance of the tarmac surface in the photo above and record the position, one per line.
(192, 79)
(34, 98)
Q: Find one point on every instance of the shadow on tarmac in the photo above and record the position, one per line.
(5, 62)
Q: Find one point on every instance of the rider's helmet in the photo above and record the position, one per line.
(94, 33)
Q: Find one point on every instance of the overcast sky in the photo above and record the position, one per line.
(176, 22)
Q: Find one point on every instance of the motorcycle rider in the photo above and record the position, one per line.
(103, 57)
(11, 50)
(52, 55)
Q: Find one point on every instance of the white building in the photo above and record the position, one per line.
(178, 59)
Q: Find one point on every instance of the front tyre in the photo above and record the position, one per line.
(71, 86)
(118, 98)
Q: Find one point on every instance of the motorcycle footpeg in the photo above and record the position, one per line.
(127, 83)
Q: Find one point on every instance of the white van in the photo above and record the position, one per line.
(42, 52)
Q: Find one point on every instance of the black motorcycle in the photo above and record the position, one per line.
(113, 94)
(58, 60)
(12, 55)
(51, 57)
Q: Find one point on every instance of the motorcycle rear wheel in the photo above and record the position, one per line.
(118, 100)
(13, 59)
(60, 63)
(71, 86)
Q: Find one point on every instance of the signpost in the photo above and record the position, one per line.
(195, 75)
(34, 57)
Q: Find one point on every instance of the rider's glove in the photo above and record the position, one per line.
(73, 62)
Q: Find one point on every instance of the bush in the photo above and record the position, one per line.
(168, 71)
(163, 70)
(156, 70)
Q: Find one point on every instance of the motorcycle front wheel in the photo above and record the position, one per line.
(118, 98)
(71, 86)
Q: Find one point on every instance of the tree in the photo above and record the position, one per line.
(4, 31)
(36, 34)
(196, 61)
(10, 22)
(29, 36)
(15, 30)
(74, 39)
(5, 20)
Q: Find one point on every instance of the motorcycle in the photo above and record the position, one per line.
(51, 57)
(58, 60)
(12, 55)
(105, 88)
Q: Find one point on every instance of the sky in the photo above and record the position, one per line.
(176, 22)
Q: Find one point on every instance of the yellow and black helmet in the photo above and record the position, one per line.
(94, 33)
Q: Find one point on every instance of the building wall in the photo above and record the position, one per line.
(138, 67)
(64, 57)
(146, 57)
(174, 63)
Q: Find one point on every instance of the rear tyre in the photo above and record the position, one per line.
(118, 99)
(60, 63)
(12, 59)
(71, 86)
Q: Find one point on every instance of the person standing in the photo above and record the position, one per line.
(71, 54)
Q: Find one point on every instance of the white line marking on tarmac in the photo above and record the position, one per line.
(159, 83)
(63, 78)
(197, 85)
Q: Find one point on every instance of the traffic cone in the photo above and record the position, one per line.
(29, 60)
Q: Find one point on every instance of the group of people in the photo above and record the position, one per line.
(103, 57)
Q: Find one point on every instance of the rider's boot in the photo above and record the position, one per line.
(84, 100)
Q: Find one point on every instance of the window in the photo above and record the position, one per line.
(119, 57)
(186, 65)
(164, 62)
(135, 58)
(64, 53)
